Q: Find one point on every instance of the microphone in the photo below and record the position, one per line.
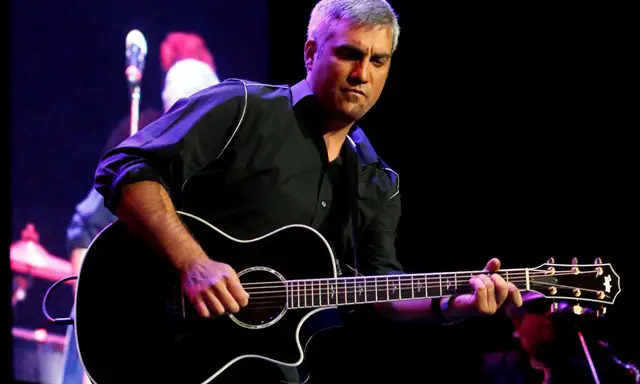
(136, 51)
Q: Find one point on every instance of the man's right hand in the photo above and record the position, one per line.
(213, 287)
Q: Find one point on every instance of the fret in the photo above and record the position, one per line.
(360, 284)
(506, 276)
(425, 286)
(366, 291)
(326, 285)
(434, 286)
(333, 292)
(383, 291)
(328, 291)
(324, 293)
(449, 286)
(376, 287)
(293, 295)
(407, 287)
(412, 291)
(420, 286)
(395, 288)
(351, 291)
(325, 289)
(309, 293)
(348, 294)
(304, 289)
(289, 296)
(318, 292)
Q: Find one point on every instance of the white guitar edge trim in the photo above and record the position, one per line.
(233, 361)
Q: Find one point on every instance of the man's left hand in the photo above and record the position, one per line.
(491, 291)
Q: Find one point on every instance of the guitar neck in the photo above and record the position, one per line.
(314, 293)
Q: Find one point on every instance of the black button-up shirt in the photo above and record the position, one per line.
(250, 158)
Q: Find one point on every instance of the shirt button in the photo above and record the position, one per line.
(324, 204)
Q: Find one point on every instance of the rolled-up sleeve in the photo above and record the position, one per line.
(377, 244)
(187, 138)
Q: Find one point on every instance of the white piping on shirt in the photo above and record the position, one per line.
(398, 176)
(386, 169)
(244, 110)
(233, 134)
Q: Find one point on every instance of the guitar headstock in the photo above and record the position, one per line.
(591, 283)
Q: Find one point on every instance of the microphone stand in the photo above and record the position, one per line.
(134, 90)
(588, 356)
(575, 318)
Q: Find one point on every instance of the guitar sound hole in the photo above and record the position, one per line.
(267, 298)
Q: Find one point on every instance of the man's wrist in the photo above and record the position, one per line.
(450, 312)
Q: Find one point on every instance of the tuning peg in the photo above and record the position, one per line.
(577, 309)
(554, 307)
(575, 270)
(551, 260)
(601, 311)
(597, 260)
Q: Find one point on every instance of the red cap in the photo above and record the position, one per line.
(182, 45)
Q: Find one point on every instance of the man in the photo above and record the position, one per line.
(189, 67)
(249, 158)
(548, 349)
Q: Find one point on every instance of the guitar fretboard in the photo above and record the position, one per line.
(374, 289)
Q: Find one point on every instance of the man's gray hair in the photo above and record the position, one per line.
(359, 12)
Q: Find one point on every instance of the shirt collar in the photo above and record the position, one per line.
(356, 138)
(300, 90)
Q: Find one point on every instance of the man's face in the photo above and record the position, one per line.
(349, 69)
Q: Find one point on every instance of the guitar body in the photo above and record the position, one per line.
(133, 323)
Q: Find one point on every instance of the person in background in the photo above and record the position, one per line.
(548, 349)
(189, 67)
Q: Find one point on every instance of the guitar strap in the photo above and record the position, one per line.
(351, 171)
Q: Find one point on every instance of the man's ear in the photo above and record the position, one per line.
(310, 50)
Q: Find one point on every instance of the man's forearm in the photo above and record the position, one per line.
(146, 209)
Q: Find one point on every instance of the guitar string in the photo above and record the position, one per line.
(395, 280)
(296, 293)
(313, 289)
(417, 277)
(299, 298)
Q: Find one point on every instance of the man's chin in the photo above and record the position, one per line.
(351, 113)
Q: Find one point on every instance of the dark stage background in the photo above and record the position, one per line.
(509, 124)
(510, 128)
